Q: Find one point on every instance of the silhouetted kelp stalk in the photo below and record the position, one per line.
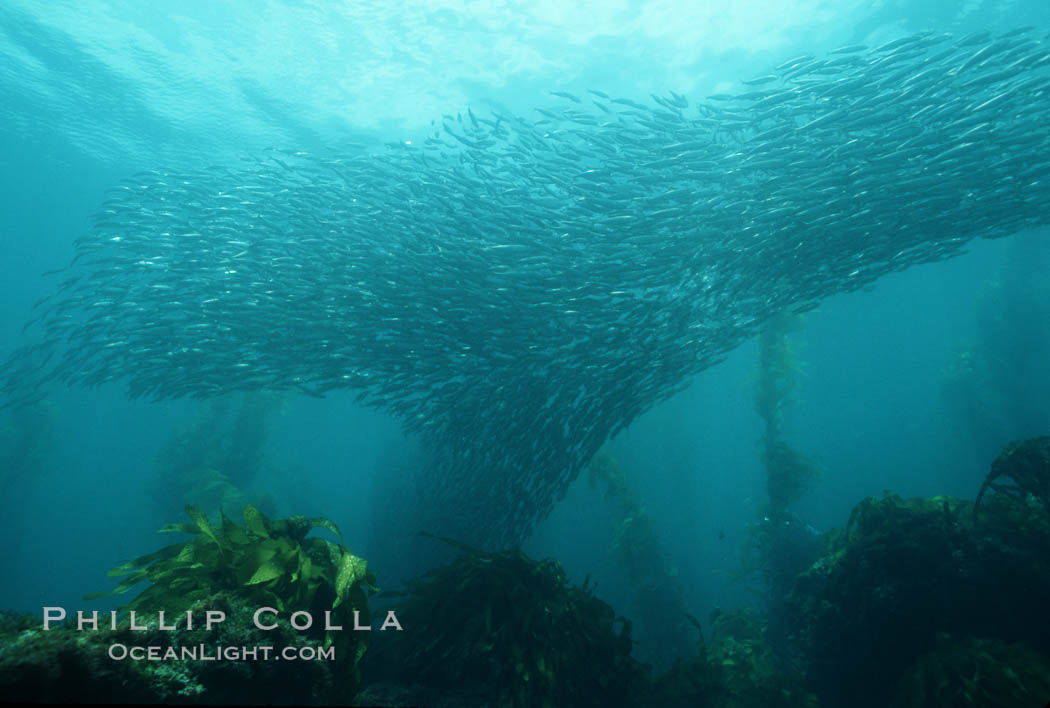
(780, 538)
(215, 458)
(994, 385)
(27, 443)
(665, 628)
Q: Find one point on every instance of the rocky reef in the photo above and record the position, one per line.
(214, 589)
(872, 614)
(916, 603)
(67, 665)
(503, 629)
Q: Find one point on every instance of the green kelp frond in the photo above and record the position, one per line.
(270, 562)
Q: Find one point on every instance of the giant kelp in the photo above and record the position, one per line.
(64, 665)
(659, 610)
(264, 563)
(27, 438)
(511, 630)
(788, 472)
(517, 291)
(735, 669)
(779, 544)
(902, 572)
(993, 385)
(1021, 472)
(969, 671)
(216, 458)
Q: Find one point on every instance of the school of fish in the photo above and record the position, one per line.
(515, 290)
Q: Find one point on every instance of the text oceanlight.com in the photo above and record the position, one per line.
(203, 652)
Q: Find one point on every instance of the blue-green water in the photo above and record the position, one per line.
(95, 92)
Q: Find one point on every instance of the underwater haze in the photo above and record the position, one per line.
(660, 290)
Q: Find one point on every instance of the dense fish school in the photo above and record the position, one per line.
(516, 291)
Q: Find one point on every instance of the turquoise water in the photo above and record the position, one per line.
(96, 92)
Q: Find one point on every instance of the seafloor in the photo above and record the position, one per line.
(917, 602)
